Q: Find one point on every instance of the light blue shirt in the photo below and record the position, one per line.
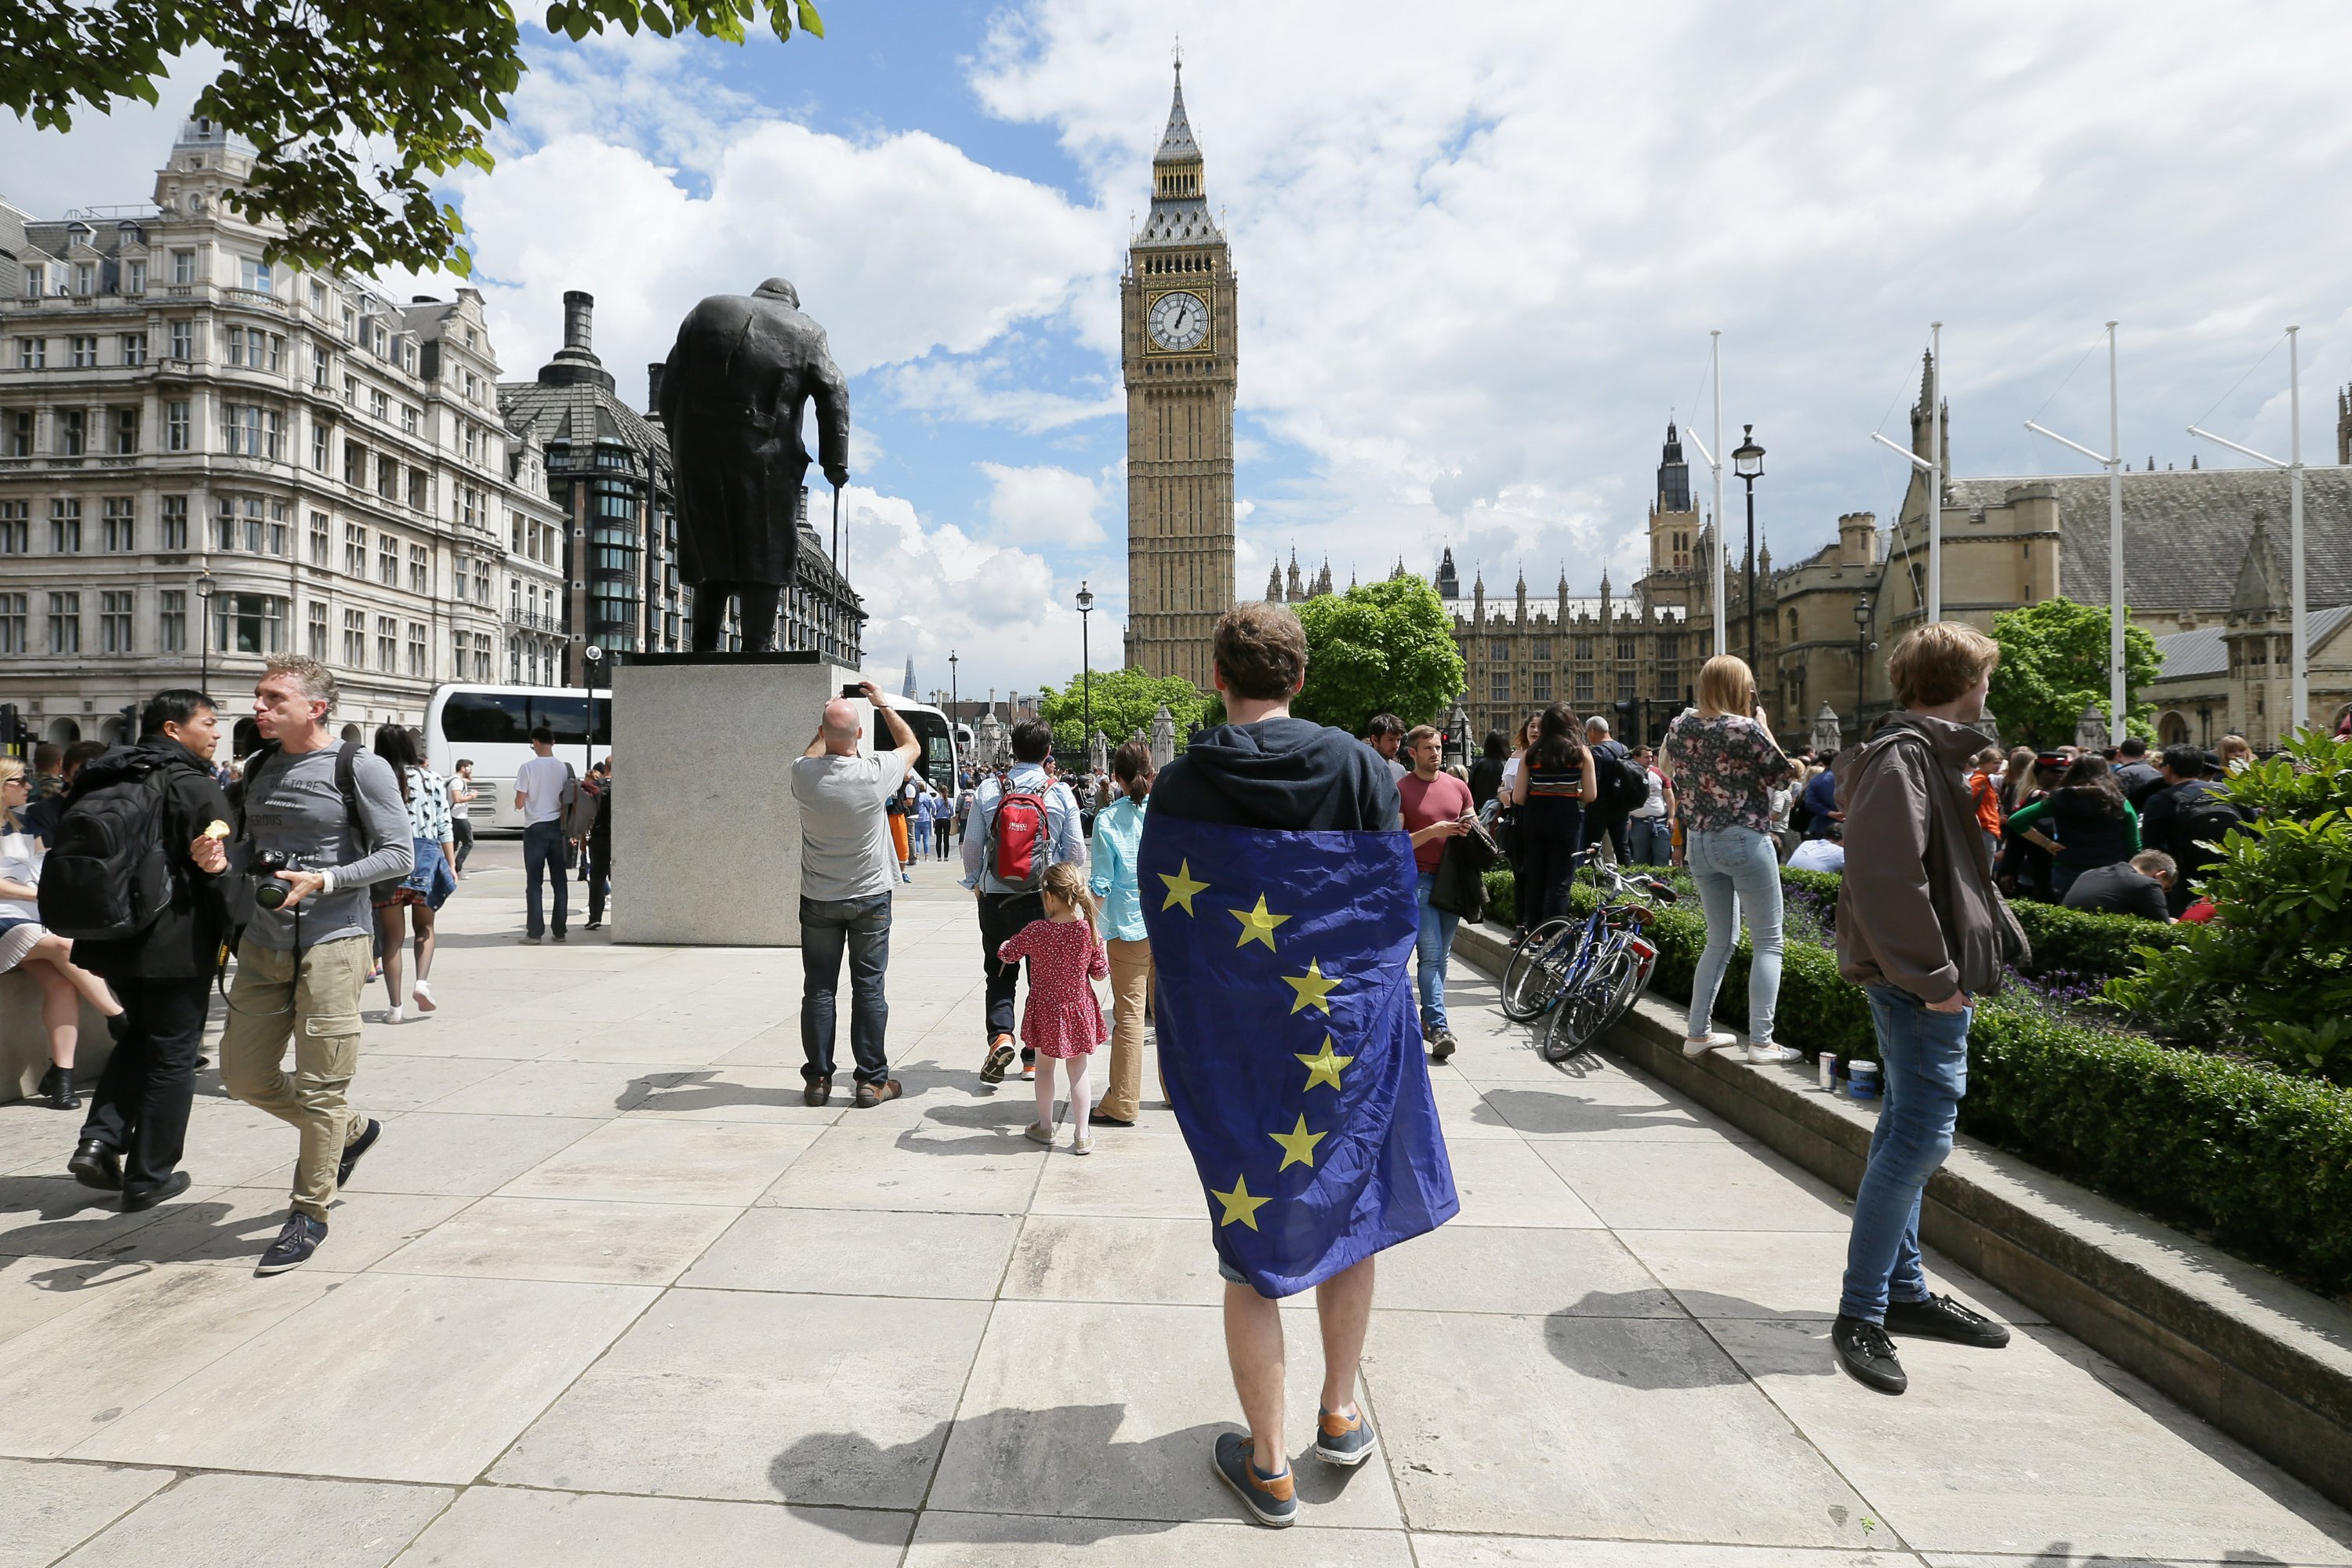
(1061, 822)
(1119, 829)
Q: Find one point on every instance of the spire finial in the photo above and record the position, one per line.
(1180, 56)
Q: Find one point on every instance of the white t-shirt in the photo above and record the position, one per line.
(539, 782)
(846, 849)
(1819, 855)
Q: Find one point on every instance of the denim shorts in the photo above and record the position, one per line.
(1227, 1271)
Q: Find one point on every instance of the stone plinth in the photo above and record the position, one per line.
(706, 837)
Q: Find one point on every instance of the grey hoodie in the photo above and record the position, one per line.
(1917, 908)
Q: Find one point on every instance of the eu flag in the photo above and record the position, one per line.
(1290, 1041)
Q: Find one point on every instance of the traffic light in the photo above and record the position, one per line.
(12, 729)
(131, 724)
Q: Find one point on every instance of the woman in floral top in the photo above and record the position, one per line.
(433, 878)
(1724, 764)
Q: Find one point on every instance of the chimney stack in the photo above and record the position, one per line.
(578, 308)
(652, 388)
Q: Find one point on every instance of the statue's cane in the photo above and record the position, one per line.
(836, 531)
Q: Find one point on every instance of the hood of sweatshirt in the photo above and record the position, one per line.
(1955, 746)
(134, 762)
(1277, 772)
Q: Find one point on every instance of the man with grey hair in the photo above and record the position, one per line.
(319, 824)
(847, 865)
(1605, 818)
(733, 393)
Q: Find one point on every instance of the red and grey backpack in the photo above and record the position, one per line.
(1018, 837)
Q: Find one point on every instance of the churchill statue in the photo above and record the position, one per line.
(732, 395)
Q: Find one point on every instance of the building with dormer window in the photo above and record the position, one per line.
(206, 457)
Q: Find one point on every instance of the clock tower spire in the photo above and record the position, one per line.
(1177, 352)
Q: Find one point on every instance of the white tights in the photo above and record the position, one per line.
(1074, 1069)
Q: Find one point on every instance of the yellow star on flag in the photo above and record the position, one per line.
(1239, 1205)
(1298, 1146)
(1323, 1067)
(1311, 987)
(1181, 887)
(1257, 925)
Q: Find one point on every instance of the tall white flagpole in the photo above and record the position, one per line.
(2299, 670)
(1715, 353)
(1934, 472)
(2115, 552)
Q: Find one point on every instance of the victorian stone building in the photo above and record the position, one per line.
(1177, 321)
(207, 459)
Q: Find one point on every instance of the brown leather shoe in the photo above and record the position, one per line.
(817, 1092)
(873, 1094)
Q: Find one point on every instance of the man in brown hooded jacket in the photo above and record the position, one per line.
(1922, 930)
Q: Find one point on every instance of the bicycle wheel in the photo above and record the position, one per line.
(1590, 1007)
(1532, 977)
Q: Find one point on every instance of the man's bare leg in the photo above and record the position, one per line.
(1254, 1346)
(1343, 1305)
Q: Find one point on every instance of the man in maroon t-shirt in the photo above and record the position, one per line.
(1437, 807)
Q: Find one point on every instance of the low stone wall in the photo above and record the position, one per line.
(2262, 1359)
(24, 1044)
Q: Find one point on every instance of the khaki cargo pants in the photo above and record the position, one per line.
(319, 1008)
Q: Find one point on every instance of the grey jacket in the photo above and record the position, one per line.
(1917, 908)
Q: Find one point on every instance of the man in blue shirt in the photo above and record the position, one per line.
(1005, 908)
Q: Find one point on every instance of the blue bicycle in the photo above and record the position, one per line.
(1579, 975)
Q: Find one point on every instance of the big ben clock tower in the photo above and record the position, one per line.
(1176, 332)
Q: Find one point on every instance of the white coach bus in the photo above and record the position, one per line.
(491, 726)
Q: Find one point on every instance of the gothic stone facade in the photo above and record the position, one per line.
(1177, 322)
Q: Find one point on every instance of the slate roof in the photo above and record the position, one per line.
(1178, 220)
(2203, 651)
(578, 412)
(2185, 531)
(1176, 145)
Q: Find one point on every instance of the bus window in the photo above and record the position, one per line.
(567, 717)
(938, 750)
(486, 718)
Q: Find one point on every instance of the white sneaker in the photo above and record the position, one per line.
(422, 996)
(391, 1016)
(1712, 1042)
(1768, 1053)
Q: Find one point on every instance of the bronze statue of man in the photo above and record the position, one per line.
(732, 393)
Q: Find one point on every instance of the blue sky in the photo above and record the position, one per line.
(1478, 258)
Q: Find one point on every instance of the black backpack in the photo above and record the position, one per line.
(1623, 784)
(109, 875)
(2203, 816)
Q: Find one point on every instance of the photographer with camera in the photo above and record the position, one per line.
(321, 823)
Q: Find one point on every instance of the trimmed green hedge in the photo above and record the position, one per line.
(2258, 1162)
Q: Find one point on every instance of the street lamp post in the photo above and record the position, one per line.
(951, 687)
(205, 588)
(1747, 462)
(1861, 658)
(1086, 663)
(593, 658)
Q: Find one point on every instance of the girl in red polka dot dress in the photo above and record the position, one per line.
(1063, 1019)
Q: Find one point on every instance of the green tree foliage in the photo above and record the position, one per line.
(1379, 648)
(1124, 702)
(354, 105)
(2272, 970)
(2054, 661)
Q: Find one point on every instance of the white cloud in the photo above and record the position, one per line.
(1043, 505)
(1477, 271)
(983, 391)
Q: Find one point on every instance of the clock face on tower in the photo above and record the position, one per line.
(1178, 322)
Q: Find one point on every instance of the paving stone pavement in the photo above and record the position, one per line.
(607, 1294)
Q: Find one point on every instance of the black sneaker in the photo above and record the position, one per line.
(1941, 1318)
(93, 1164)
(295, 1243)
(1000, 1057)
(354, 1149)
(1442, 1047)
(1867, 1355)
(559, 936)
(1096, 1119)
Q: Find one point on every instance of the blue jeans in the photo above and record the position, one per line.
(543, 851)
(863, 927)
(1738, 873)
(1431, 950)
(1922, 1059)
(1649, 841)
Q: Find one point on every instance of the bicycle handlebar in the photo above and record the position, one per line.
(1591, 855)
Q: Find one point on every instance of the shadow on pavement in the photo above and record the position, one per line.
(1015, 1456)
(1539, 1111)
(1610, 1337)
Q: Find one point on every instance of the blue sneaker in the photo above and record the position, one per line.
(294, 1245)
(1271, 1500)
(1344, 1440)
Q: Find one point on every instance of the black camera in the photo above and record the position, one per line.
(263, 867)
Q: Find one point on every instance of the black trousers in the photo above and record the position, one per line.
(1596, 825)
(1001, 916)
(1550, 833)
(596, 870)
(140, 1109)
(462, 825)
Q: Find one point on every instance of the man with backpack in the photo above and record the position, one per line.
(137, 881)
(1023, 820)
(2188, 813)
(1625, 786)
(321, 822)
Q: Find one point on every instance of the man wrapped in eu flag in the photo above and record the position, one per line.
(1279, 895)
